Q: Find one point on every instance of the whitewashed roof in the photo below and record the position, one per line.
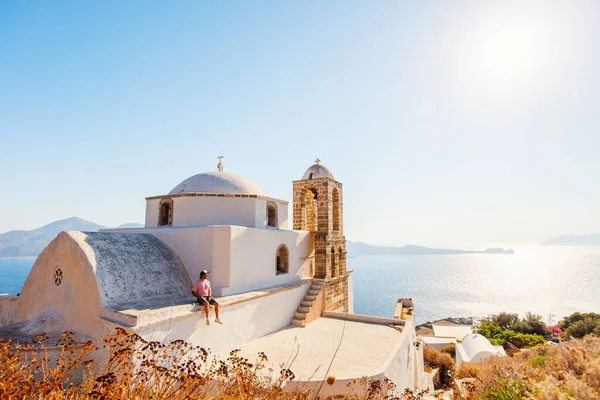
(437, 340)
(317, 171)
(454, 331)
(217, 182)
(475, 344)
(134, 270)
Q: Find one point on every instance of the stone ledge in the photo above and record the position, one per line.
(368, 319)
(139, 318)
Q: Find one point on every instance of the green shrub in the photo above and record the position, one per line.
(498, 336)
(578, 325)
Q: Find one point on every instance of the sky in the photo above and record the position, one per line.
(461, 123)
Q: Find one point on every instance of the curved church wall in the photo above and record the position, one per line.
(134, 271)
(68, 300)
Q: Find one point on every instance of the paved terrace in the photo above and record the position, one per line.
(365, 350)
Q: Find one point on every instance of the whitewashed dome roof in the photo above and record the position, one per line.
(217, 182)
(475, 344)
(317, 171)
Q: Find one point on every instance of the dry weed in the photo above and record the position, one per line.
(569, 370)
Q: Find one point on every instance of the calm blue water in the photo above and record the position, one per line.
(13, 272)
(544, 280)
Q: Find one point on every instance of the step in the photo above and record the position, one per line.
(306, 303)
(315, 287)
(303, 309)
(300, 315)
(298, 322)
(312, 292)
(308, 297)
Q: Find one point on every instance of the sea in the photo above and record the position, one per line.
(552, 281)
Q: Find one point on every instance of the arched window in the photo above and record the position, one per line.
(310, 206)
(165, 214)
(336, 209)
(333, 263)
(271, 214)
(282, 260)
(341, 261)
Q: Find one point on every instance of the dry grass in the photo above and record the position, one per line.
(137, 369)
(435, 358)
(467, 370)
(569, 370)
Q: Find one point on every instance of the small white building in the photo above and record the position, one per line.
(476, 348)
(268, 279)
(446, 333)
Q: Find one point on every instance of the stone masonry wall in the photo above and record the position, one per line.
(336, 294)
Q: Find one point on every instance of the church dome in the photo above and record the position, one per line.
(217, 182)
(317, 171)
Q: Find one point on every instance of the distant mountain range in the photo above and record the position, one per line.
(356, 249)
(31, 243)
(592, 239)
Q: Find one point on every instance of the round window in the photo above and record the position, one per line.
(58, 276)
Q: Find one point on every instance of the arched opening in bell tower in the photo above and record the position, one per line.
(335, 197)
(310, 207)
(333, 263)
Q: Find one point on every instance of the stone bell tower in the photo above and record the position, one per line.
(318, 208)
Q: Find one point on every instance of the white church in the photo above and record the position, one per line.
(280, 290)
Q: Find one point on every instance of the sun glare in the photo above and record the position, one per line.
(509, 53)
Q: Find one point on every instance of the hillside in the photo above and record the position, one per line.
(356, 249)
(592, 239)
(30, 243)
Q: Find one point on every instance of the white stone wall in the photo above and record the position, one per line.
(196, 211)
(197, 248)
(152, 210)
(253, 253)
(350, 293)
(242, 323)
(239, 259)
(203, 211)
(8, 310)
(261, 214)
(401, 369)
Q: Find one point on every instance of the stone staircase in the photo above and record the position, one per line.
(307, 305)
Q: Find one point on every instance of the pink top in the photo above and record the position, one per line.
(202, 287)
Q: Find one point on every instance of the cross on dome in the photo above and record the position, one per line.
(220, 164)
(318, 160)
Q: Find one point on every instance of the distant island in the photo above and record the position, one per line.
(30, 243)
(592, 239)
(356, 249)
(21, 243)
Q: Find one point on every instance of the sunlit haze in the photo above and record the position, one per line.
(467, 124)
